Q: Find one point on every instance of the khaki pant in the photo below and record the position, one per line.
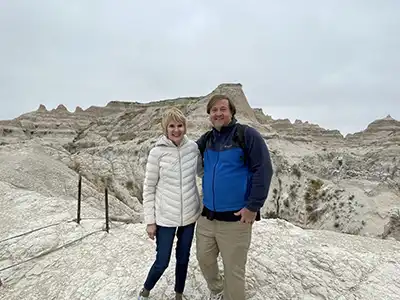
(232, 239)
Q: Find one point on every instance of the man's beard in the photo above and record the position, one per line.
(218, 125)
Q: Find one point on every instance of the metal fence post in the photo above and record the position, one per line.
(78, 217)
(106, 204)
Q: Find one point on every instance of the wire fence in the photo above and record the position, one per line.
(78, 213)
(66, 245)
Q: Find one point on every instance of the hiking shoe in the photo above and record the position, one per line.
(178, 296)
(144, 294)
(219, 296)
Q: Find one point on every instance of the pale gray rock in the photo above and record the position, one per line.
(381, 132)
(305, 132)
(360, 174)
(42, 108)
(261, 117)
(71, 261)
(31, 167)
(322, 181)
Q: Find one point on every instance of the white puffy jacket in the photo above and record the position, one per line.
(170, 194)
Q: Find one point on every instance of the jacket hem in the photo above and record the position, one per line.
(189, 221)
(227, 216)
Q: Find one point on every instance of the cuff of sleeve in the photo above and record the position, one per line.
(252, 208)
(149, 220)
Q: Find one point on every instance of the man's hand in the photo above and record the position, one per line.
(151, 230)
(247, 215)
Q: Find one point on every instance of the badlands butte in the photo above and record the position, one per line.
(322, 179)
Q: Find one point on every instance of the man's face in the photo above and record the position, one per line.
(220, 114)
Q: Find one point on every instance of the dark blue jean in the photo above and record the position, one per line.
(164, 241)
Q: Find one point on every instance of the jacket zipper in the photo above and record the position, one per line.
(213, 183)
(180, 169)
(213, 180)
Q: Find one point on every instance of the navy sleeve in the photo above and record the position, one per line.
(259, 162)
(200, 140)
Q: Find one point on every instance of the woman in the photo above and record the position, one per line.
(171, 201)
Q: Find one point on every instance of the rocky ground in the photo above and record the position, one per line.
(44, 254)
(323, 181)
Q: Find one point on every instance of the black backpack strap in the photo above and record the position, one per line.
(240, 138)
(202, 142)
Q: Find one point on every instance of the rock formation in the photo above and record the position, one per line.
(78, 109)
(357, 176)
(42, 108)
(384, 132)
(304, 131)
(323, 182)
(261, 117)
(61, 109)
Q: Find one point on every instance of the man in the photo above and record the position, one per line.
(236, 182)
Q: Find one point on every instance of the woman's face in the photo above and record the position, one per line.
(175, 132)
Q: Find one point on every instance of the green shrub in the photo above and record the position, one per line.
(296, 171)
(129, 184)
(270, 215)
(311, 199)
(336, 225)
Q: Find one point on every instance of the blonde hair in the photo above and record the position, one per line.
(172, 114)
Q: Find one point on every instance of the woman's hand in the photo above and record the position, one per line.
(151, 230)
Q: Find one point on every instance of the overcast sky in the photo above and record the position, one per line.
(335, 63)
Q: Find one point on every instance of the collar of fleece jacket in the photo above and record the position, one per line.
(164, 141)
(227, 128)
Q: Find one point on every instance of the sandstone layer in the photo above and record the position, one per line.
(322, 180)
(324, 185)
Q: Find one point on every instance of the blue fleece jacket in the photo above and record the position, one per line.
(228, 183)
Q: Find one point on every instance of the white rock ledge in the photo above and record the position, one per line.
(285, 261)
